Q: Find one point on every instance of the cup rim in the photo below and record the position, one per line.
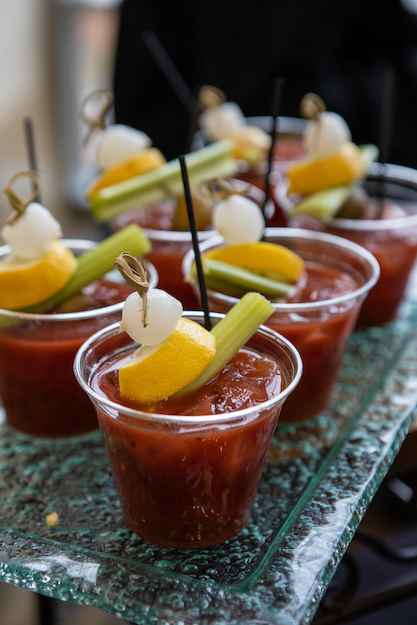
(397, 174)
(114, 329)
(75, 245)
(299, 307)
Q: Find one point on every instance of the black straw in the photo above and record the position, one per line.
(193, 228)
(192, 124)
(30, 143)
(169, 70)
(385, 131)
(276, 101)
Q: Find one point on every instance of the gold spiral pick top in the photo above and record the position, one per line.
(18, 204)
(134, 273)
(221, 189)
(311, 106)
(98, 120)
(209, 96)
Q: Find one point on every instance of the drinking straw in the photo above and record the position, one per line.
(385, 133)
(276, 101)
(30, 144)
(192, 123)
(169, 70)
(193, 228)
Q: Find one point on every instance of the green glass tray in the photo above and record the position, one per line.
(318, 481)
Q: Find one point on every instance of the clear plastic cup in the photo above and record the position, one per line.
(392, 240)
(319, 329)
(39, 392)
(185, 481)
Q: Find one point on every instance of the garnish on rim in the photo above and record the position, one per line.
(245, 263)
(333, 159)
(221, 119)
(39, 264)
(173, 351)
(123, 152)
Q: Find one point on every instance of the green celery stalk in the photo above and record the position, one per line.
(232, 332)
(93, 264)
(213, 161)
(216, 271)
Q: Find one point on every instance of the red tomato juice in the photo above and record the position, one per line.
(37, 386)
(320, 335)
(191, 485)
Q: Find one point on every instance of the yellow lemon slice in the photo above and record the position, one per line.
(269, 259)
(27, 282)
(309, 176)
(141, 163)
(156, 372)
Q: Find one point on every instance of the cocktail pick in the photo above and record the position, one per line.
(18, 203)
(169, 70)
(96, 121)
(385, 134)
(193, 228)
(276, 101)
(30, 144)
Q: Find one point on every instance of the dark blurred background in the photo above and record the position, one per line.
(339, 49)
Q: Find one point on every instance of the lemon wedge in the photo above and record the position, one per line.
(346, 165)
(136, 165)
(27, 282)
(268, 259)
(156, 372)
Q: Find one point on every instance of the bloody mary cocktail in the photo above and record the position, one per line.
(189, 479)
(391, 238)
(37, 387)
(319, 315)
(169, 246)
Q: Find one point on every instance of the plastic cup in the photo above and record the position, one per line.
(38, 389)
(185, 481)
(393, 241)
(320, 329)
(170, 246)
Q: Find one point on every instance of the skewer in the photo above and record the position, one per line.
(193, 228)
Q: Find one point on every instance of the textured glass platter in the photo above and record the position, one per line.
(319, 479)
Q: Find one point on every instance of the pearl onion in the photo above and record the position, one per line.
(219, 122)
(33, 233)
(238, 220)
(164, 312)
(118, 142)
(326, 136)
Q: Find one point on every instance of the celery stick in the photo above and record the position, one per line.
(96, 262)
(323, 205)
(213, 161)
(215, 270)
(232, 332)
